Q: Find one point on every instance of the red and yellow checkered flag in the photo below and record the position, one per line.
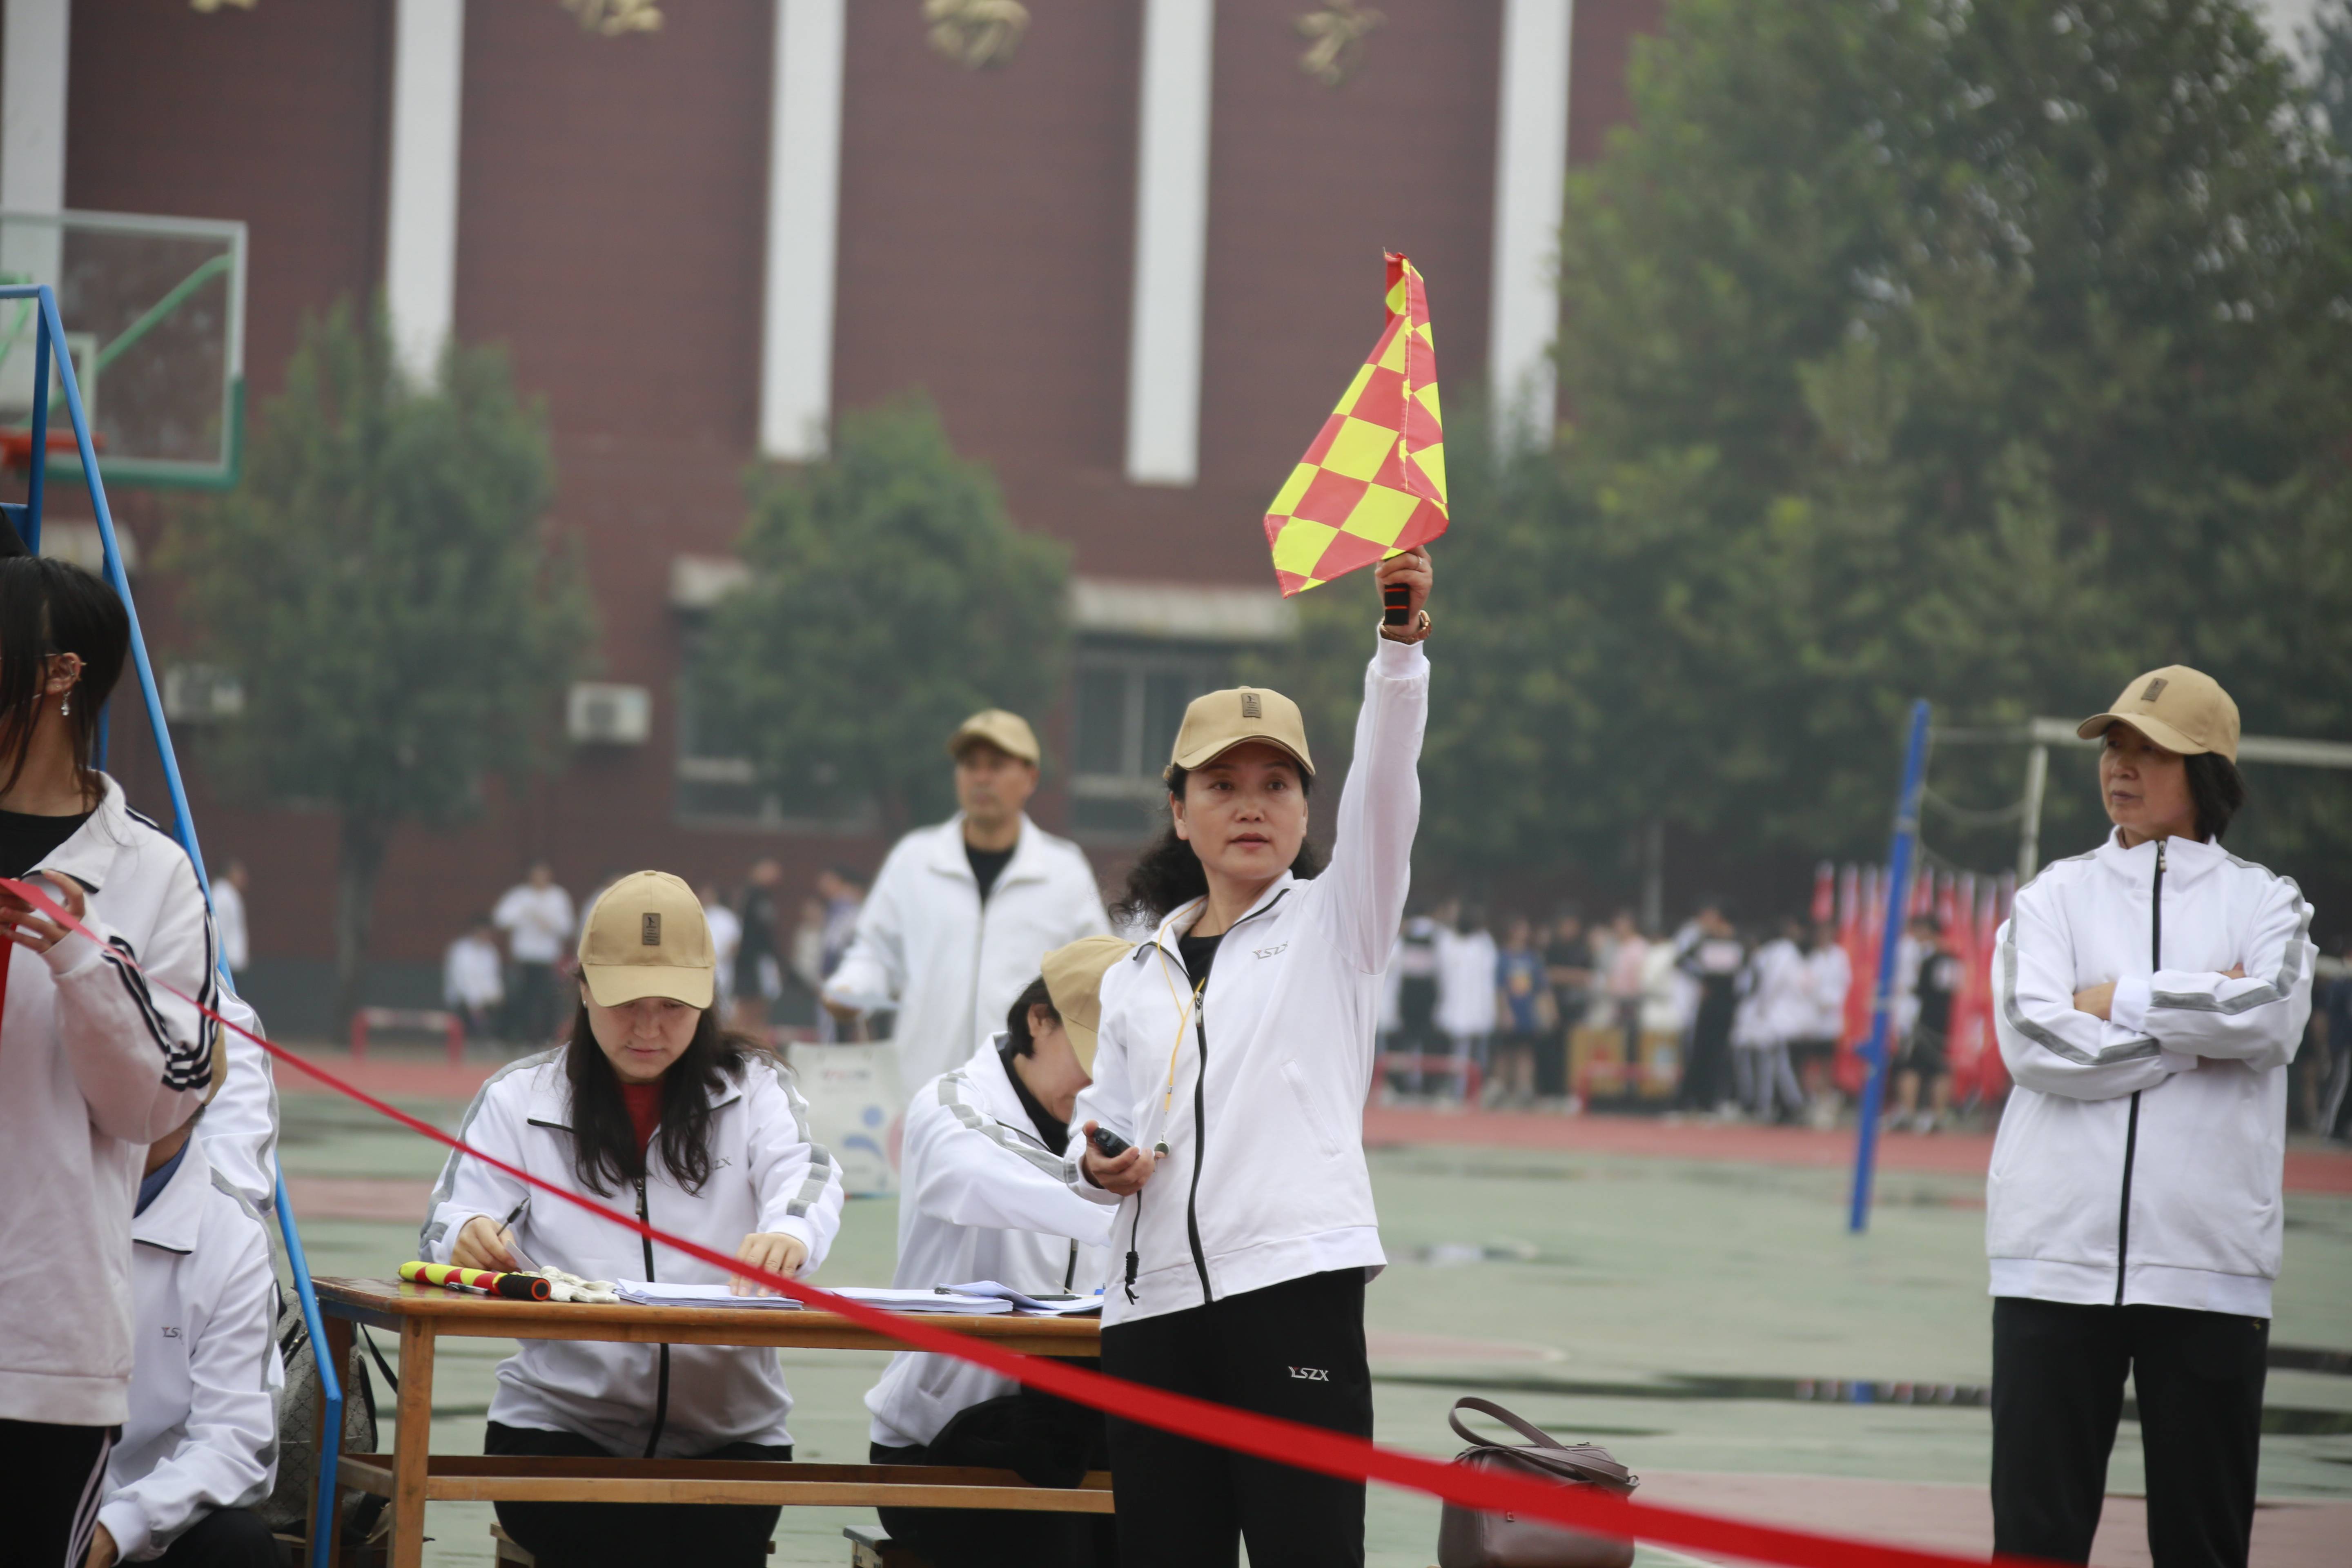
(1374, 482)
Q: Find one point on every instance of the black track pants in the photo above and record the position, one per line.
(633, 1534)
(231, 1538)
(52, 1479)
(2057, 1391)
(1294, 1350)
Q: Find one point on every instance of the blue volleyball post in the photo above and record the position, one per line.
(1882, 998)
(49, 338)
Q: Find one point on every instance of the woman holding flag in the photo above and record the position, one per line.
(1235, 1052)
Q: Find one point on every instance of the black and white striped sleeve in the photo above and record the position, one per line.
(141, 1046)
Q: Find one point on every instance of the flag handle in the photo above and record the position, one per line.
(1395, 597)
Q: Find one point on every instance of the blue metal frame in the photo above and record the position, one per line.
(330, 1381)
(183, 827)
(1882, 998)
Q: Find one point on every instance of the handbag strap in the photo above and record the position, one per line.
(1527, 1429)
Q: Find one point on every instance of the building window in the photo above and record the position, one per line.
(718, 784)
(1129, 698)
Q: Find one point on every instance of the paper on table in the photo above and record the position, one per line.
(898, 1300)
(1051, 1306)
(664, 1293)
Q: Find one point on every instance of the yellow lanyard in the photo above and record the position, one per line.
(1183, 1016)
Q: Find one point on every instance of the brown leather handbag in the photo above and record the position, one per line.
(1468, 1539)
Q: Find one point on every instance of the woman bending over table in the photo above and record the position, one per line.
(652, 1109)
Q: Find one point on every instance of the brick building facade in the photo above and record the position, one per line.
(617, 202)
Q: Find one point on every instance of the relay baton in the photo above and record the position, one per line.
(513, 1286)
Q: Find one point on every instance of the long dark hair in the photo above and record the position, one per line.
(2216, 789)
(604, 1141)
(1169, 875)
(50, 606)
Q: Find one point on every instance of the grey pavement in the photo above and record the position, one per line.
(1673, 1311)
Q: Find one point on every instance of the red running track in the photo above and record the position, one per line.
(2311, 1167)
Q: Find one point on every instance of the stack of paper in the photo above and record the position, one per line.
(979, 1299)
(650, 1293)
(1051, 1306)
(941, 1300)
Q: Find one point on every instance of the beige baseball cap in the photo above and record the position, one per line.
(1220, 720)
(1008, 732)
(2181, 709)
(1074, 980)
(647, 936)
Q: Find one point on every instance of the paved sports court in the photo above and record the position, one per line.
(1686, 1296)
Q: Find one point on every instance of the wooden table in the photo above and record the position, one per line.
(411, 1476)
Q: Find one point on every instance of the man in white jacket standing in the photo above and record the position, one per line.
(2147, 997)
(961, 912)
(201, 1446)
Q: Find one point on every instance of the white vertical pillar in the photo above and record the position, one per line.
(32, 159)
(33, 108)
(803, 225)
(420, 263)
(1531, 179)
(1171, 244)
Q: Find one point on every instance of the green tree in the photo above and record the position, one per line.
(1986, 352)
(386, 590)
(890, 595)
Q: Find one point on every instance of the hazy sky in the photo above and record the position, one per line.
(2287, 18)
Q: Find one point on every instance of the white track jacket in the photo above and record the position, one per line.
(2139, 1161)
(983, 1198)
(203, 1432)
(95, 1065)
(1265, 1179)
(239, 1131)
(660, 1401)
(928, 946)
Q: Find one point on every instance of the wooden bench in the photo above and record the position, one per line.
(412, 1475)
(870, 1547)
(515, 1478)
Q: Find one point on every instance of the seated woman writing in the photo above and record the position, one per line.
(652, 1109)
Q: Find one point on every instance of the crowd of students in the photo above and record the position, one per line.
(1753, 1022)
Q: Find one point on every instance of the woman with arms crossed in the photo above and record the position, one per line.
(1235, 1053)
(649, 1109)
(2147, 996)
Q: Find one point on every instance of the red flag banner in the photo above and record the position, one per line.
(1374, 482)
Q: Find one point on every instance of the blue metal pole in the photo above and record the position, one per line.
(331, 1377)
(1882, 1002)
(40, 459)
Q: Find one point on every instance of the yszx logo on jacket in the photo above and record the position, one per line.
(1311, 1373)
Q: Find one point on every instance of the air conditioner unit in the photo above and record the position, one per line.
(602, 714)
(201, 694)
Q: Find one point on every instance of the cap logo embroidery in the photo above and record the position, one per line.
(1253, 705)
(2155, 690)
(649, 930)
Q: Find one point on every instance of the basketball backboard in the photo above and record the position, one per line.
(153, 311)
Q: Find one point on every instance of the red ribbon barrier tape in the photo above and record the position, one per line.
(1220, 1425)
